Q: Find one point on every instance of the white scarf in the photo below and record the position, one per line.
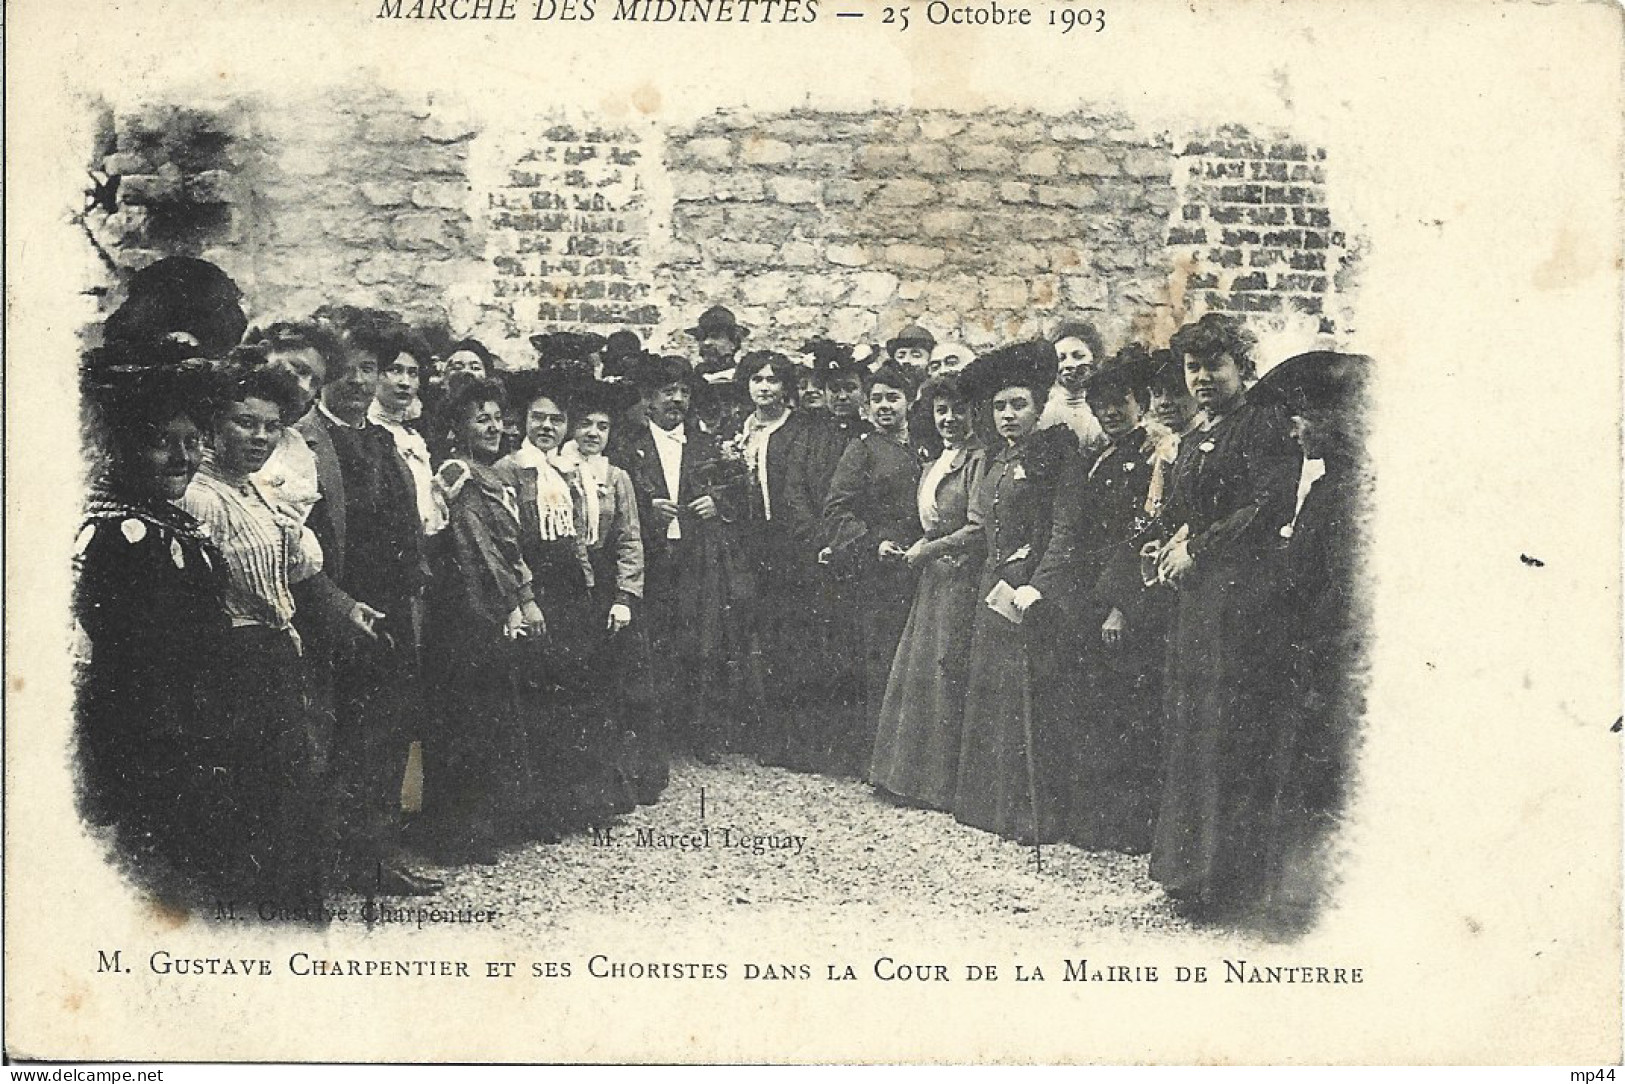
(755, 438)
(555, 507)
(934, 474)
(593, 470)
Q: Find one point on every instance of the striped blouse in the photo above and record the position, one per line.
(265, 549)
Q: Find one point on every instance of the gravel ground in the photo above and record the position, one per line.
(860, 862)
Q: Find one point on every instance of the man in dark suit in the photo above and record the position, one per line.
(683, 488)
(371, 535)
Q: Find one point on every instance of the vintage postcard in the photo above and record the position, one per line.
(811, 531)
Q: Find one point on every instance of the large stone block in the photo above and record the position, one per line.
(709, 153)
(825, 157)
(882, 158)
(915, 257)
(793, 190)
(755, 151)
(1043, 162)
(841, 190)
(931, 159)
(426, 231)
(822, 289)
(1045, 291)
(940, 126)
(985, 158)
(211, 186)
(1066, 195)
(769, 288)
(125, 163)
(390, 127)
(442, 195)
(149, 188)
(738, 253)
(1084, 291)
(1017, 192)
(908, 192)
(1008, 292)
(947, 223)
(798, 254)
(1074, 131)
(126, 226)
(871, 289)
(386, 193)
(1047, 226)
(1022, 258)
(970, 193)
(848, 255)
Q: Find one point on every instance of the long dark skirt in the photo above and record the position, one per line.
(268, 823)
(1001, 778)
(377, 697)
(1217, 797)
(1115, 742)
(477, 772)
(622, 733)
(916, 749)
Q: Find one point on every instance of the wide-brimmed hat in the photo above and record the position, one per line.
(1128, 370)
(651, 372)
(126, 390)
(719, 319)
(1024, 364)
(912, 335)
(619, 351)
(565, 346)
(562, 385)
(612, 397)
(183, 300)
(1318, 380)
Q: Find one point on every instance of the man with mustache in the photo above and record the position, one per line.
(372, 538)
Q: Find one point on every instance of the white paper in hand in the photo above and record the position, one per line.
(1002, 601)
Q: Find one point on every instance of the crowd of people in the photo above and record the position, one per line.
(356, 607)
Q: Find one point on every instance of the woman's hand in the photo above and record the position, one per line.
(365, 619)
(1025, 596)
(1174, 561)
(665, 509)
(620, 616)
(514, 626)
(914, 556)
(1111, 630)
(530, 615)
(889, 550)
(704, 507)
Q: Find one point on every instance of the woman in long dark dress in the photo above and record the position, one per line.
(832, 684)
(781, 541)
(1102, 685)
(577, 783)
(871, 518)
(916, 753)
(481, 612)
(266, 755)
(1008, 779)
(1233, 489)
(618, 651)
(1323, 638)
(148, 600)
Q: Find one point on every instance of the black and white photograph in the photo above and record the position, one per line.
(833, 513)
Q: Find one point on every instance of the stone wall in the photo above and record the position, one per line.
(984, 227)
(360, 197)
